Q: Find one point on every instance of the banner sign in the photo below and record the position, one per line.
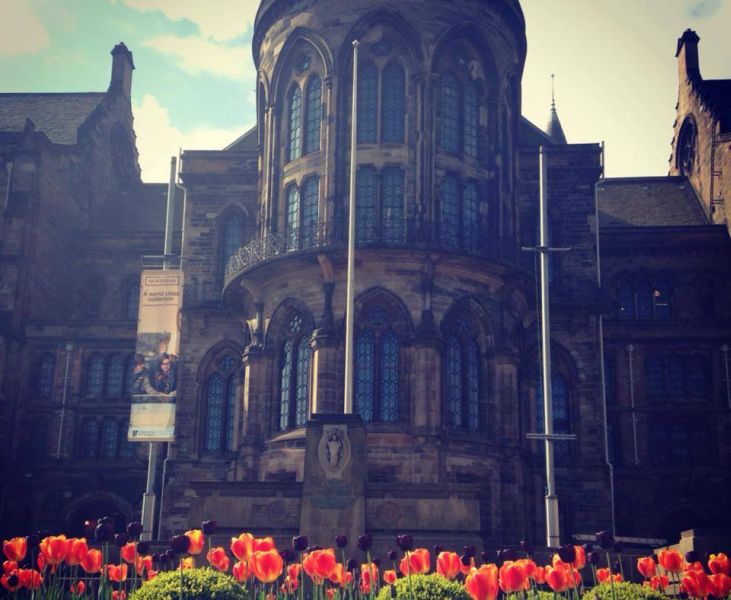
(154, 379)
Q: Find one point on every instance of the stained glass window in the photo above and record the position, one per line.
(471, 119)
(473, 385)
(470, 217)
(214, 412)
(449, 213)
(314, 115)
(234, 385)
(89, 442)
(389, 377)
(367, 103)
(661, 299)
(95, 376)
(454, 382)
(365, 375)
(129, 376)
(625, 300)
(310, 199)
(285, 383)
(560, 406)
(132, 304)
(109, 438)
(393, 205)
(366, 198)
(450, 101)
(295, 124)
(392, 123)
(115, 376)
(126, 448)
(610, 379)
(655, 376)
(293, 217)
(303, 382)
(232, 237)
(45, 374)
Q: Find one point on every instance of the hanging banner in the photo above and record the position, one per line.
(154, 379)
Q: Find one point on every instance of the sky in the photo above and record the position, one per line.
(193, 87)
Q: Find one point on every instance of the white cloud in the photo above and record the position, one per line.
(197, 55)
(158, 139)
(220, 20)
(21, 29)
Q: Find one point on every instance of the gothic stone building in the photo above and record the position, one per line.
(446, 361)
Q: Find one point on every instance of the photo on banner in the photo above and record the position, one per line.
(154, 378)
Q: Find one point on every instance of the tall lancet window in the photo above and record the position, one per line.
(462, 366)
(313, 115)
(294, 375)
(295, 124)
(393, 104)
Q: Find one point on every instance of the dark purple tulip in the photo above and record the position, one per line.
(485, 556)
(438, 549)
(567, 553)
(163, 558)
(526, 547)
(605, 539)
(352, 564)
(365, 541)
(179, 544)
(120, 539)
(405, 542)
(392, 555)
(209, 527)
(102, 533)
(134, 529)
(593, 558)
(143, 548)
(466, 560)
(588, 547)
(287, 555)
(617, 547)
(617, 566)
(691, 556)
(155, 557)
(33, 540)
(507, 554)
(300, 543)
(469, 550)
(341, 541)
(377, 561)
(13, 580)
(312, 549)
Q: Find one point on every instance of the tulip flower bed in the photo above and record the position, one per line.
(57, 568)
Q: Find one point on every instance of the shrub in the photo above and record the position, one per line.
(425, 587)
(198, 584)
(623, 591)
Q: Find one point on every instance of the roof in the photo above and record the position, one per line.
(532, 135)
(554, 129)
(59, 116)
(649, 202)
(140, 210)
(246, 141)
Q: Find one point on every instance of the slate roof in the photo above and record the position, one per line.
(554, 129)
(532, 135)
(140, 210)
(246, 141)
(649, 202)
(59, 116)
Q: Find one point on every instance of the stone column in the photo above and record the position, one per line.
(256, 398)
(327, 395)
(426, 392)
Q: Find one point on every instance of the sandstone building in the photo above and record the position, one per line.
(446, 357)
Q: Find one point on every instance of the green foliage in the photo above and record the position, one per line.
(623, 591)
(198, 584)
(425, 587)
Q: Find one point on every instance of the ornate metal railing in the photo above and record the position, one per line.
(470, 240)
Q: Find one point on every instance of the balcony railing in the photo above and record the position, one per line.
(470, 240)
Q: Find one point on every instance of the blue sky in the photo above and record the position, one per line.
(616, 76)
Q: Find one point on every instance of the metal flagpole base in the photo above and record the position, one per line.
(552, 536)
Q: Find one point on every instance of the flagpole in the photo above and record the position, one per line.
(350, 292)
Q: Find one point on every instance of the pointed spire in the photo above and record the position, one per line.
(554, 129)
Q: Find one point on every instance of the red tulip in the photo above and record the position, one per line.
(15, 548)
(77, 550)
(389, 577)
(512, 577)
(128, 552)
(482, 583)
(30, 579)
(415, 562)
(142, 564)
(119, 595)
(319, 564)
(117, 572)
(449, 565)
(241, 571)
(657, 583)
(337, 576)
(242, 547)
(721, 584)
(529, 566)
(368, 576)
(54, 548)
(218, 558)
(9, 566)
(696, 584)
(5, 581)
(78, 588)
(603, 575)
(329, 592)
(151, 575)
(92, 562)
(719, 563)
(267, 565)
(646, 566)
(294, 570)
(557, 578)
(197, 541)
(670, 560)
(540, 575)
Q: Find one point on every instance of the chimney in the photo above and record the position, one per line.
(687, 55)
(122, 67)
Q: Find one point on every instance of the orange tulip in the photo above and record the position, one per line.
(128, 552)
(78, 588)
(721, 584)
(319, 564)
(54, 548)
(15, 548)
(415, 562)
(218, 558)
(92, 562)
(540, 575)
(294, 570)
(557, 578)
(719, 563)
(696, 584)
(529, 566)
(119, 595)
(77, 550)
(646, 566)
(657, 583)
(41, 561)
(389, 577)
(337, 576)
(117, 572)
(670, 560)
(241, 571)
(267, 565)
(197, 541)
(289, 586)
(368, 576)
(242, 547)
(30, 579)
(186, 563)
(512, 577)
(482, 583)
(142, 564)
(9, 566)
(449, 565)
(603, 575)
(151, 575)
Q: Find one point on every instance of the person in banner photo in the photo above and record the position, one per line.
(142, 388)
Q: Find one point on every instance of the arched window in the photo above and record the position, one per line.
(293, 217)
(625, 300)
(449, 212)
(95, 376)
(132, 302)
(294, 376)
(222, 391)
(454, 383)
(45, 374)
(295, 124)
(462, 376)
(376, 369)
(129, 374)
(450, 116)
(471, 119)
(313, 116)
(232, 237)
(89, 439)
(366, 204)
(310, 207)
(560, 406)
(367, 103)
(685, 151)
(661, 299)
(115, 376)
(392, 213)
(470, 217)
(644, 301)
(109, 438)
(393, 105)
